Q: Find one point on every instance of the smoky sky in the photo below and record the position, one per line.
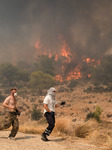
(85, 25)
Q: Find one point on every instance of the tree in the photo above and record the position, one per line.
(45, 64)
(103, 72)
(8, 73)
(40, 81)
(36, 113)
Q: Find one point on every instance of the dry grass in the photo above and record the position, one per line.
(31, 127)
(63, 126)
(99, 134)
(32, 130)
(100, 137)
(85, 129)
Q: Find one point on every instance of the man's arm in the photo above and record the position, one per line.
(62, 103)
(5, 104)
(57, 105)
(46, 107)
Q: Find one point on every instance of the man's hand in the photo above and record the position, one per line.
(51, 113)
(12, 107)
(17, 112)
(62, 103)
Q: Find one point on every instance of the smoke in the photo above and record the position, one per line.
(84, 25)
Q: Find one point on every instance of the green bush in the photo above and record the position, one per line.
(96, 115)
(40, 81)
(36, 114)
(98, 112)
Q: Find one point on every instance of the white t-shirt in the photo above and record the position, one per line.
(50, 103)
(11, 102)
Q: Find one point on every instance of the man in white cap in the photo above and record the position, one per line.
(49, 112)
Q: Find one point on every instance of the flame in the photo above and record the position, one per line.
(89, 75)
(89, 60)
(56, 57)
(66, 53)
(59, 78)
(37, 45)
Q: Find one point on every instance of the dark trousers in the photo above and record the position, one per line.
(51, 123)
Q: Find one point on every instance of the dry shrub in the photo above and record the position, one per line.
(109, 145)
(100, 137)
(31, 127)
(32, 130)
(85, 129)
(63, 126)
(82, 131)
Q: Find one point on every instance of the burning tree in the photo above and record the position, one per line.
(67, 66)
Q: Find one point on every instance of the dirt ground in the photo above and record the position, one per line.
(34, 142)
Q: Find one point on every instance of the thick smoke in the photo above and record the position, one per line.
(85, 25)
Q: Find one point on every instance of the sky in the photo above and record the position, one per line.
(85, 25)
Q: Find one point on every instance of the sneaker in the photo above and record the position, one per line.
(11, 138)
(44, 138)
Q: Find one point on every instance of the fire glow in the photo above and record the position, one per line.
(66, 53)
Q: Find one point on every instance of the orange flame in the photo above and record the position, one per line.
(37, 45)
(66, 52)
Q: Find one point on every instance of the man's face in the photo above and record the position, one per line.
(13, 91)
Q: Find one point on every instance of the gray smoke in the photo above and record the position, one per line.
(85, 25)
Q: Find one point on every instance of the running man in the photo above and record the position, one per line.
(11, 114)
(49, 112)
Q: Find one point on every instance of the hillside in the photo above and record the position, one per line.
(70, 117)
(78, 103)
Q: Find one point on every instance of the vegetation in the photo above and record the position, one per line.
(36, 114)
(2, 98)
(96, 115)
(40, 76)
(102, 74)
(73, 83)
(40, 81)
(10, 75)
(45, 64)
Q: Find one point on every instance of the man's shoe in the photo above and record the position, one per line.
(44, 138)
(11, 138)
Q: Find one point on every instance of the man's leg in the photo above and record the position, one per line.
(51, 124)
(15, 127)
(6, 122)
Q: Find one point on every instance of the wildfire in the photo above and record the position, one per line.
(66, 53)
